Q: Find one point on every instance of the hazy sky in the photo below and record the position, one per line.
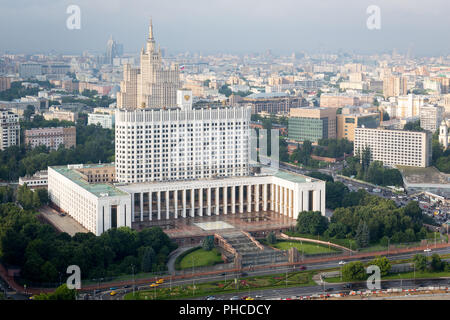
(235, 26)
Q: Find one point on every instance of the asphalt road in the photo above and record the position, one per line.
(105, 294)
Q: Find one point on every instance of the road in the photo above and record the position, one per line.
(121, 291)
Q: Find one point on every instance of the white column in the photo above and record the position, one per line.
(233, 199)
(241, 199)
(200, 201)
(150, 205)
(208, 212)
(175, 199)
(286, 191)
(225, 201)
(167, 206)
(192, 202)
(217, 200)
(272, 198)
(132, 208)
(257, 198)
(249, 198)
(142, 206)
(275, 206)
(159, 205)
(265, 197)
(184, 203)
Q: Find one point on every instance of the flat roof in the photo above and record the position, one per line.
(97, 189)
(293, 177)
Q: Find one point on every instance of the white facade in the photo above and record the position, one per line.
(395, 147)
(431, 117)
(99, 207)
(10, 129)
(104, 120)
(94, 206)
(161, 145)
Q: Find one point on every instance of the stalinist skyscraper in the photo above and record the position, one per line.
(153, 85)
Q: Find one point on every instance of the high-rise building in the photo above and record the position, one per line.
(153, 85)
(431, 117)
(10, 129)
(395, 147)
(5, 83)
(111, 51)
(346, 123)
(394, 86)
(312, 124)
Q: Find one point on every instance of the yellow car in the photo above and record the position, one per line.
(154, 285)
(113, 293)
(160, 281)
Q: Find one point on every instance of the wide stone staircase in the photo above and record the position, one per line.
(250, 252)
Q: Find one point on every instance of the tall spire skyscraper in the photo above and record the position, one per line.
(153, 85)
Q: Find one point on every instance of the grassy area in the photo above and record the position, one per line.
(247, 285)
(348, 243)
(201, 258)
(403, 275)
(307, 248)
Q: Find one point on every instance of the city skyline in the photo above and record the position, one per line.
(283, 27)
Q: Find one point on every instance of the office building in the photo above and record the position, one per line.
(312, 124)
(10, 129)
(346, 123)
(274, 103)
(395, 147)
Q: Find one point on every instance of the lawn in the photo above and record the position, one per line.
(201, 258)
(306, 248)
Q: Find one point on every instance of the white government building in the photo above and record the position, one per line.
(177, 163)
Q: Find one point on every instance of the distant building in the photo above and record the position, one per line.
(106, 121)
(395, 147)
(51, 137)
(444, 138)
(431, 117)
(273, 103)
(30, 70)
(312, 124)
(5, 83)
(394, 86)
(61, 115)
(10, 129)
(343, 100)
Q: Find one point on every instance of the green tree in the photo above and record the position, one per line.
(271, 238)
(420, 262)
(311, 222)
(354, 271)
(362, 235)
(208, 243)
(383, 263)
(436, 264)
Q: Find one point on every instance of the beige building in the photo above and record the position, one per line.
(98, 174)
(5, 83)
(153, 85)
(61, 115)
(431, 117)
(347, 123)
(394, 86)
(51, 137)
(10, 129)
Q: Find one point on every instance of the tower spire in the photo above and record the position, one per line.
(150, 30)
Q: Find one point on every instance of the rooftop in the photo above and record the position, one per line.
(97, 189)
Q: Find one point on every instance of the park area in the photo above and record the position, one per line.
(303, 247)
(199, 257)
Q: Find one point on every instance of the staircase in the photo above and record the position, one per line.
(251, 253)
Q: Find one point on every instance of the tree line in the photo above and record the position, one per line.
(94, 144)
(368, 219)
(43, 254)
